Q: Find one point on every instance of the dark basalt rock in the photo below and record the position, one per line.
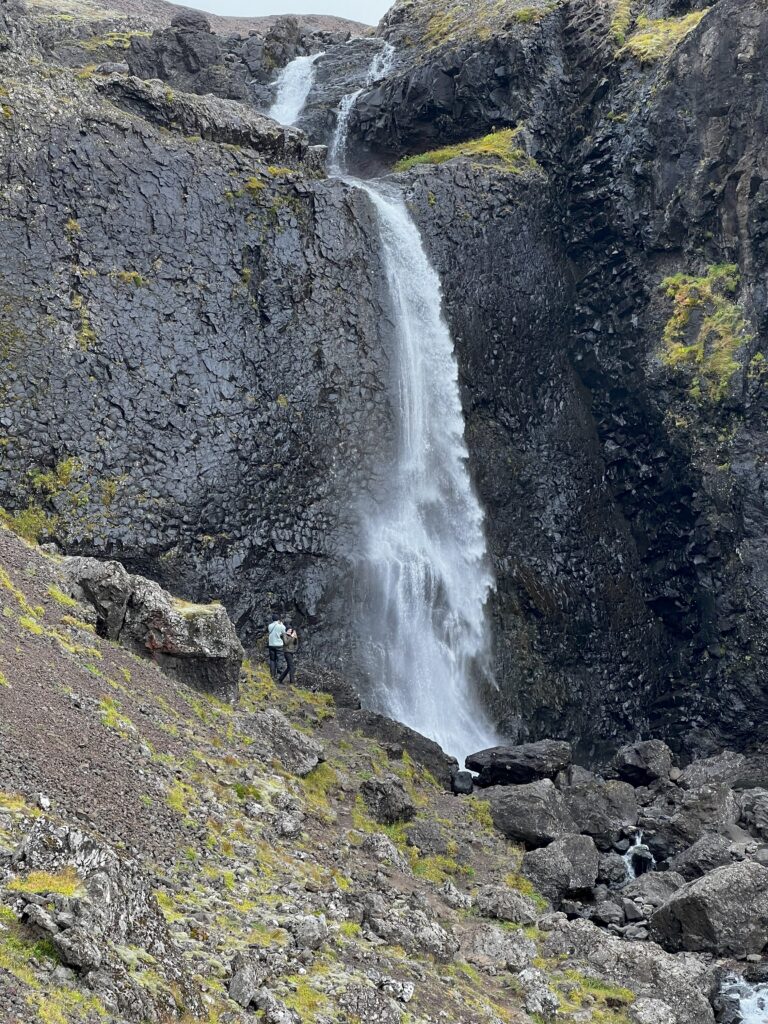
(725, 913)
(387, 800)
(643, 763)
(511, 766)
(604, 810)
(567, 866)
(534, 814)
(706, 854)
(397, 739)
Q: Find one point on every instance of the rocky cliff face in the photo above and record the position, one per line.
(612, 350)
(196, 350)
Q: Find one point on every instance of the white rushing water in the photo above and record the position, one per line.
(752, 1000)
(424, 566)
(638, 855)
(293, 88)
(380, 66)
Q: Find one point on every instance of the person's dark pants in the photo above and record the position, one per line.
(289, 669)
(274, 653)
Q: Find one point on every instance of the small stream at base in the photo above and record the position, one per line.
(743, 1002)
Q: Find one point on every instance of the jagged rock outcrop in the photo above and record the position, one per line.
(195, 643)
(91, 904)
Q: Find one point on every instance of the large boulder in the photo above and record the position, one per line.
(710, 852)
(504, 904)
(643, 763)
(387, 800)
(684, 983)
(754, 811)
(397, 739)
(566, 867)
(722, 769)
(654, 888)
(603, 810)
(195, 643)
(670, 829)
(321, 679)
(275, 738)
(512, 766)
(725, 913)
(535, 814)
(492, 948)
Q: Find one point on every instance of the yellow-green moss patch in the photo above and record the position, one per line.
(706, 331)
(499, 148)
(66, 882)
(653, 40)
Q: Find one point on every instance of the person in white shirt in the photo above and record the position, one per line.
(277, 631)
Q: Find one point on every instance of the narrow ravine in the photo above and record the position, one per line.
(424, 568)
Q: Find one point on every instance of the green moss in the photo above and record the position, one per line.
(4, 681)
(72, 227)
(54, 481)
(84, 332)
(61, 598)
(32, 523)
(317, 788)
(498, 148)
(621, 20)
(131, 277)
(66, 882)
(111, 715)
(653, 40)
(706, 331)
(524, 886)
(64, 1006)
(112, 40)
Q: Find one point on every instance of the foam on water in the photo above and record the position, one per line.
(293, 88)
(424, 568)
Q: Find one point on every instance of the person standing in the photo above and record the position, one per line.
(277, 631)
(290, 646)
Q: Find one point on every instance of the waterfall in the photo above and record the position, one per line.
(423, 568)
(380, 66)
(293, 86)
(424, 563)
(748, 1000)
(638, 858)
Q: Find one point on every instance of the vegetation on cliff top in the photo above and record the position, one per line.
(455, 22)
(706, 331)
(498, 147)
(654, 39)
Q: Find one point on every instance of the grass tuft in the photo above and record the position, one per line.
(498, 148)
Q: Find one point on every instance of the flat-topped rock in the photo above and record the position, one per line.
(514, 766)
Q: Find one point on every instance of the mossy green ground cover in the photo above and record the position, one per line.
(499, 149)
(707, 331)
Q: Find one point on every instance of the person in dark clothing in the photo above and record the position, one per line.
(290, 646)
(277, 632)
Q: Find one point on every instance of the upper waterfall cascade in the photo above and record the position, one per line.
(423, 569)
(293, 88)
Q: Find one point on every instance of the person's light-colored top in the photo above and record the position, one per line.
(276, 633)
